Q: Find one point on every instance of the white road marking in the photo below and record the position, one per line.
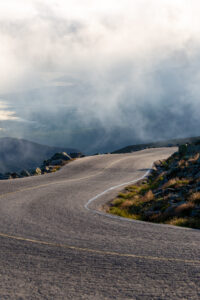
(113, 188)
(127, 219)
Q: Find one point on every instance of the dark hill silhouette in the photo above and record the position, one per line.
(158, 144)
(17, 154)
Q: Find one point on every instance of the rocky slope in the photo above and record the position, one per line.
(48, 166)
(18, 154)
(170, 194)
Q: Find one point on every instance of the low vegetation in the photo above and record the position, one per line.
(170, 194)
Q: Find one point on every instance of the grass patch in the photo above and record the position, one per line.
(195, 198)
(117, 202)
(55, 169)
(166, 196)
(184, 209)
(120, 212)
(176, 183)
(185, 222)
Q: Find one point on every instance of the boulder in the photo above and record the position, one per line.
(51, 169)
(37, 171)
(158, 163)
(57, 162)
(60, 156)
(189, 149)
(45, 169)
(183, 149)
(15, 175)
(25, 173)
(75, 154)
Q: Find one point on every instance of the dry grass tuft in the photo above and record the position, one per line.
(183, 163)
(126, 204)
(185, 222)
(117, 202)
(194, 158)
(195, 198)
(171, 182)
(149, 196)
(176, 182)
(184, 209)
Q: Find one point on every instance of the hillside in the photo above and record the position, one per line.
(167, 143)
(18, 154)
(170, 194)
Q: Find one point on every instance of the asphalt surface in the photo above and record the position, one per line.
(52, 247)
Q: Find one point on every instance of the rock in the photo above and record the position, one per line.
(149, 213)
(25, 173)
(37, 171)
(46, 169)
(170, 211)
(45, 163)
(174, 172)
(76, 155)
(189, 149)
(58, 162)
(7, 176)
(154, 169)
(15, 175)
(60, 156)
(158, 163)
(51, 169)
(58, 159)
(183, 149)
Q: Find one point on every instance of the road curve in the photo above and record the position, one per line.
(52, 247)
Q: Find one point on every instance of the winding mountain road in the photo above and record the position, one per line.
(54, 244)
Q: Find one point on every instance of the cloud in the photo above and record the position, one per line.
(115, 72)
(6, 114)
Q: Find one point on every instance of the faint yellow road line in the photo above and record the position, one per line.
(63, 181)
(112, 253)
(101, 252)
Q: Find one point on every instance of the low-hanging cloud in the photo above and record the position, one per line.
(98, 76)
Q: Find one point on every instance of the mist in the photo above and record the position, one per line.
(99, 76)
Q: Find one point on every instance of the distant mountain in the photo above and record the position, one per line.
(18, 154)
(167, 143)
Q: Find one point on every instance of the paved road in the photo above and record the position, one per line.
(51, 247)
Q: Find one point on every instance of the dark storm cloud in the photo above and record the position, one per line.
(100, 82)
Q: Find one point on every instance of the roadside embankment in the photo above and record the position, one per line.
(170, 194)
(48, 166)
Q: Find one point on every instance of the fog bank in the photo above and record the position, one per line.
(98, 76)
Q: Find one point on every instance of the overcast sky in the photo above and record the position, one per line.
(127, 69)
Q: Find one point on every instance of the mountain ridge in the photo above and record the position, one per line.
(17, 154)
(158, 144)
